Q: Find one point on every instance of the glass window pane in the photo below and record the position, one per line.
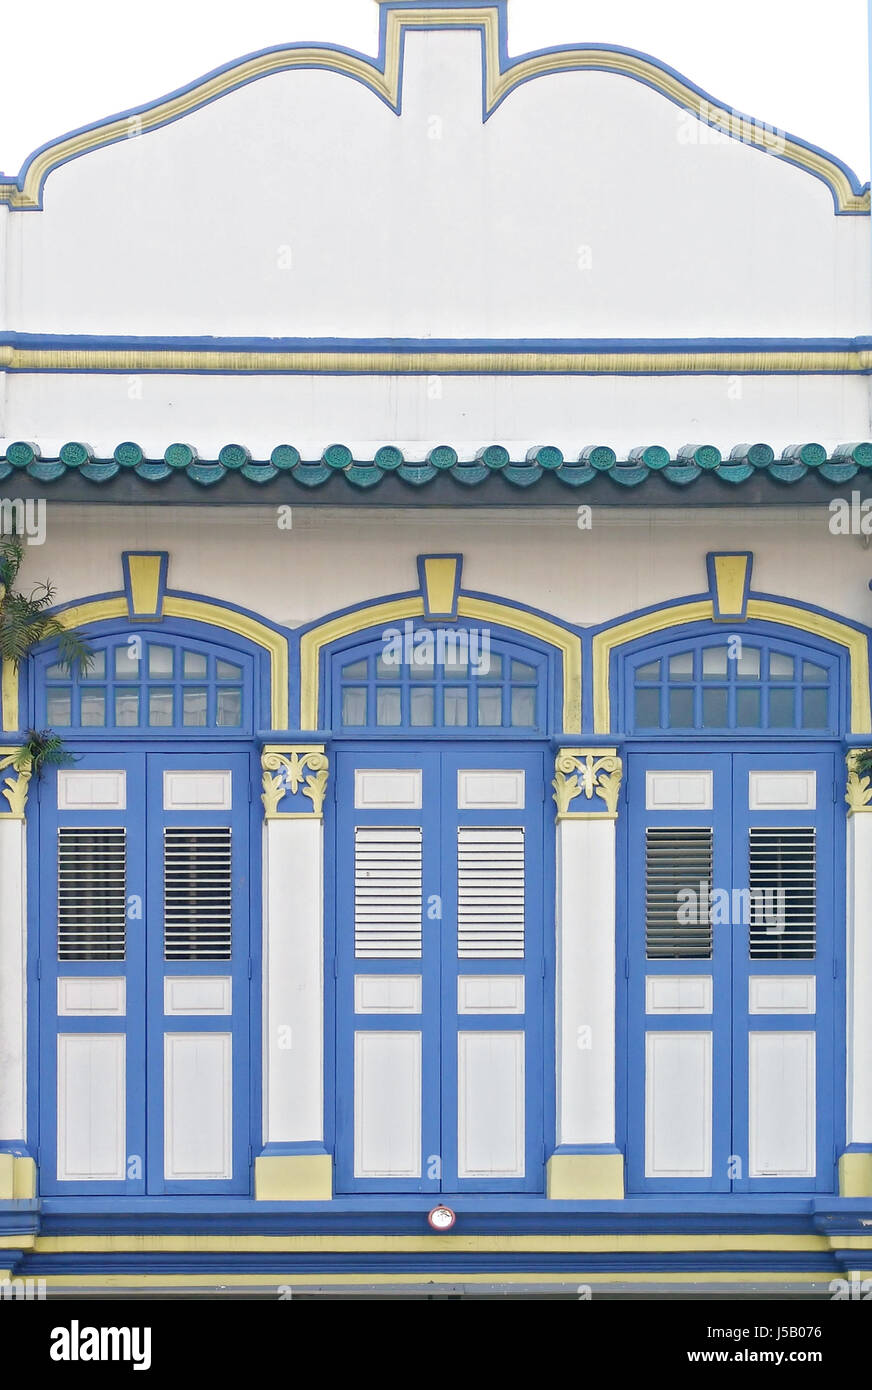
(389, 707)
(126, 662)
(194, 666)
(522, 672)
(93, 711)
(127, 709)
(681, 667)
(490, 706)
(388, 666)
(97, 669)
(782, 713)
(227, 671)
(160, 661)
(194, 708)
(424, 672)
(455, 670)
(523, 709)
(714, 663)
(748, 709)
(355, 671)
(748, 664)
(58, 707)
(57, 672)
(228, 707)
(681, 709)
(160, 708)
(714, 708)
(811, 672)
(354, 706)
(455, 708)
(780, 667)
(490, 665)
(651, 672)
(648, 709)
(814, 709)
(422, 706)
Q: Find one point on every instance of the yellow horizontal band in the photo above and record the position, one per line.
(231, 1280)
(503, 1244)
(451, 363)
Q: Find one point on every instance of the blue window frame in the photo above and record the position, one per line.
(157, 684)
(455, 687)
(719, 685)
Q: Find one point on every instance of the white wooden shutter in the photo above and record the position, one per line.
(677, 860)
(387, 891)
(91, 893)
(197, 893)
(490, 892)
(782, 877)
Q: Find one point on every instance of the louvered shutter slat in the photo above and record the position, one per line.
(387, 892)
(782, 880)
(677, 859)
(197, 893)
(92, 894)
(490, 892)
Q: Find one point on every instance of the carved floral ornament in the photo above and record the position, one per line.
(16, 786)
(858, 793)
(588, 773)
(290, 772)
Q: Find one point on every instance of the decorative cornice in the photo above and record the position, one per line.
(285, 780)
(337, 462)
(587, 772)
(16, 787)
(383, 75)
(859, 787)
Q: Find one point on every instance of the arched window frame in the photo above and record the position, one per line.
(765, 636)
(215, 643)
(504, 641)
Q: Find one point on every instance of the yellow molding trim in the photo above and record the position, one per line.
(374, 363)
(765, 610)
(386, 84)
(505, 614)
(230, 1280)
(202, 611)
(611, 1172)
(9, 696)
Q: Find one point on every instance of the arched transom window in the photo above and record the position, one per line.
(148, 684)
(466, 684)
(750, 685)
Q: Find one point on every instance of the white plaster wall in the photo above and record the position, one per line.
(13, 989)
(332, 557)
(475, 233)
(418, 412)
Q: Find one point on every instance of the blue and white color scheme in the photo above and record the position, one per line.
(426, 836)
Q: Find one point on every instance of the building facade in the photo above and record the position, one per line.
(467, 806)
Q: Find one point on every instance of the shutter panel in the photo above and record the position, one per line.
(676, 860)
(490, 892)
(92, 894)
(387, 891)
(197, 893)
(782, 882)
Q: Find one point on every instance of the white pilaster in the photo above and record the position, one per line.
(586, 1164)
(13, 980)
(586, 982)
(293, 981)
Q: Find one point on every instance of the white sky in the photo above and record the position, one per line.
(801, 65)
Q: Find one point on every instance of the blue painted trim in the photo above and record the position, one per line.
(125, 342)
(164, 557)
(377, 66)
(710, 558)
(422, 579)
